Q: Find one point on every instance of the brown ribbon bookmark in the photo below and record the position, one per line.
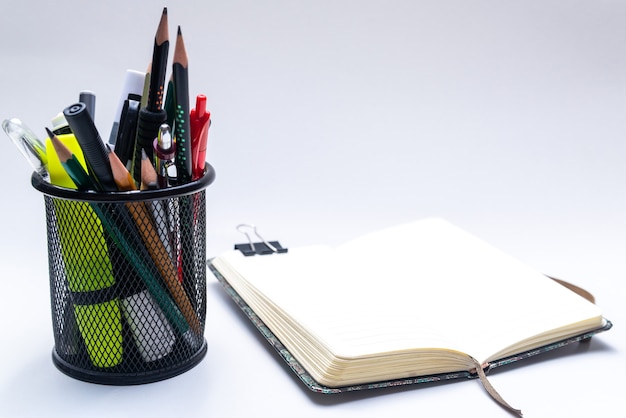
(481, 372)
(491, 390)
(578, 290)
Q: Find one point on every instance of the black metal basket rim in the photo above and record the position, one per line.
(131, 196)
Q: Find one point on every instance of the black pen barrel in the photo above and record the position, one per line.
(147, 130)
(96, 156)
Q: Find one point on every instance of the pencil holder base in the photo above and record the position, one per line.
(127, 281)
(128, 379)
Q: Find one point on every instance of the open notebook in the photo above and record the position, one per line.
(419, 302)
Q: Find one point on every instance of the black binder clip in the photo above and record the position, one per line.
(257, 248)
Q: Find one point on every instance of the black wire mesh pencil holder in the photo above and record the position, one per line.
(127, 280)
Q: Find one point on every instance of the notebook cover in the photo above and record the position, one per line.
(314, 386)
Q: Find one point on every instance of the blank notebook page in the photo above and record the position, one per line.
(423, 284)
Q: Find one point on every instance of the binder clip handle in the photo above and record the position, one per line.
(261, 247)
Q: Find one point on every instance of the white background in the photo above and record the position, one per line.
(332, 119)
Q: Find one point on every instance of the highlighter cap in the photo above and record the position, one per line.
(60, 125)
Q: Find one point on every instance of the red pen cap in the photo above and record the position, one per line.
(199, 120)
(200, 106)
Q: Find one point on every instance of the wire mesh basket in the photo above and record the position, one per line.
(127, 280)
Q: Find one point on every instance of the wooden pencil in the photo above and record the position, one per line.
(72, 166)
(159, 64)
(154, 244)
(184, 159)
(182, 130)
(152, 115)
(121, 175)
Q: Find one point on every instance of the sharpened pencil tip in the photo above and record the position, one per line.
(149, 178)
(60, 148)
(121, 176)
(180, 54)
(162, 30)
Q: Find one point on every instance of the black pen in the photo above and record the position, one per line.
(89, 98)
(90, 142)
(127, 129)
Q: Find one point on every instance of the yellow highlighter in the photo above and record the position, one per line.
(87, 266)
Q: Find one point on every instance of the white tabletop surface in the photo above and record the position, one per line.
(332, 119)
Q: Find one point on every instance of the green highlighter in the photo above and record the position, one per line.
(88, 267)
